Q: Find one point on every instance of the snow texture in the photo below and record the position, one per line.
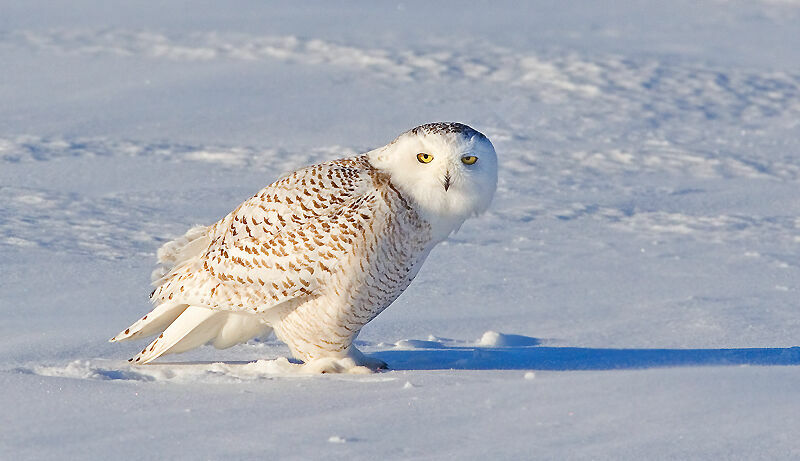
(632, 293)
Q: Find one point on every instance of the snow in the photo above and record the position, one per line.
(631, 293)
(495, 339)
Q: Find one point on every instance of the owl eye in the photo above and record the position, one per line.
(424, 158)
(469, 159)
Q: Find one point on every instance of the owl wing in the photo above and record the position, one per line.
(283, 243)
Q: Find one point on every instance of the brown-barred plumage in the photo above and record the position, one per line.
(319, 252)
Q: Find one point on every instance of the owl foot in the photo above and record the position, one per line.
(365, 361)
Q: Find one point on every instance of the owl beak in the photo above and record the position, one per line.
(446, 181)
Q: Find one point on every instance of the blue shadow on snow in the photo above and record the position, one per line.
(576, 358)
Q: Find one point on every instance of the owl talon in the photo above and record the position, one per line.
(374, 364)
(365, 361)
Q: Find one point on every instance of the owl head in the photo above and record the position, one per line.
(449, 170)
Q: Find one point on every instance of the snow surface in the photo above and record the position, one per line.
(631, 294)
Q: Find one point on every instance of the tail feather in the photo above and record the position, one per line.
(239, 328)
(197, 326)
(194, 327)
(186, 327)
(155, 321)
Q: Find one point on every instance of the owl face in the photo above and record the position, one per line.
(448, 169)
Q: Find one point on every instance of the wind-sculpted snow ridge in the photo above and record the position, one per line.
(106, 228)
(653, 156)
(658, 225)
(659, 156)
(656, 90)
(489, 338)
(26, 148)
(782, 229)
(116, 226)
(711, 227)
(119, 225)
(650, 157)
(265, 369)
(183, 373)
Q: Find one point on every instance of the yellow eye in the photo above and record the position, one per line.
(469, 159)
(424, 158)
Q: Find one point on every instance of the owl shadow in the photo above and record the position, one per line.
(577, 358)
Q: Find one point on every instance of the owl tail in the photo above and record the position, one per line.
(152, 323)
(196, 326)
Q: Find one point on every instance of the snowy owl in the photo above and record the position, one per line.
(320, 252)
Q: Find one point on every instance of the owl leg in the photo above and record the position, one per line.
(365, 361)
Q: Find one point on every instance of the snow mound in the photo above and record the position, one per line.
(418, 344)
(218, 372)
(488, 339)
(495, 339)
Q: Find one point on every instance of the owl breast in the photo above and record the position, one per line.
(388, 251)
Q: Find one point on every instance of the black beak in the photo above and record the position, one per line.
(446, 181)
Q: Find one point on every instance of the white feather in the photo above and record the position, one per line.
(194, 327)
(152, 323)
